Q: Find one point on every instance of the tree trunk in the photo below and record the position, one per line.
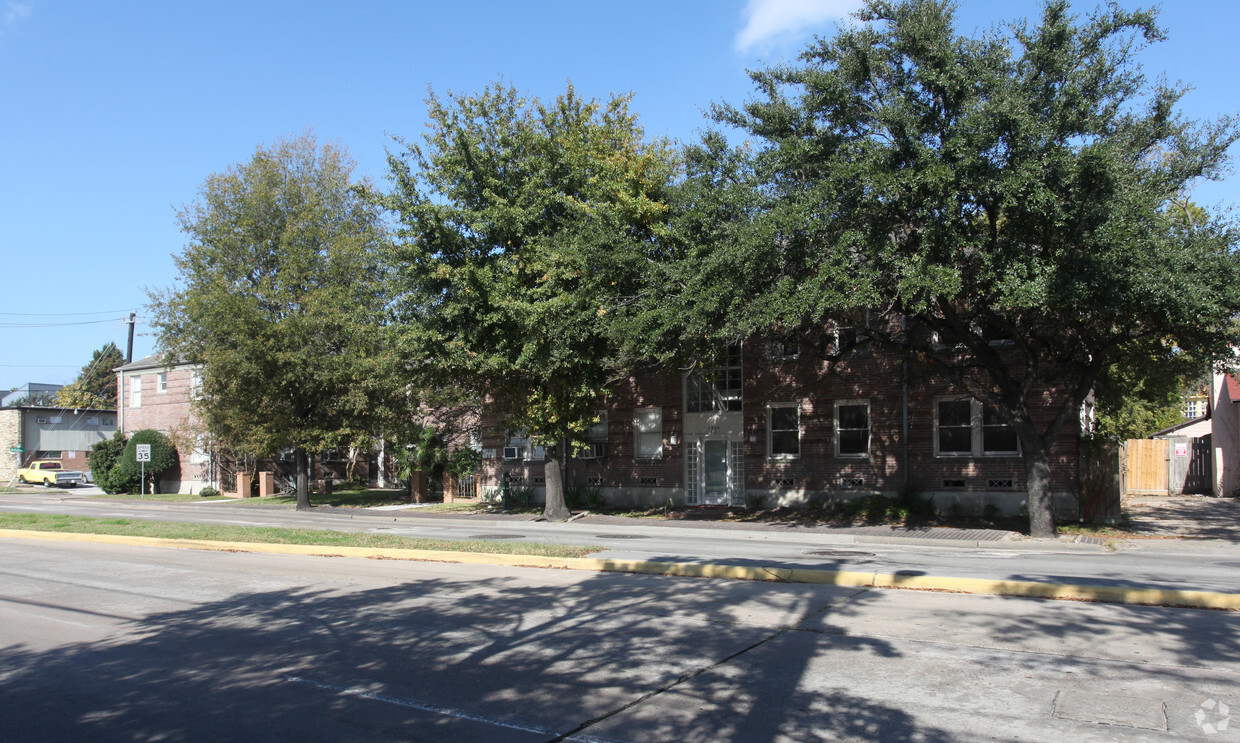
(303, 479)
(1038, 487)
(556, 509)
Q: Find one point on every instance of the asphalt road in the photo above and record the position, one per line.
(1173, 564)
(111, 643)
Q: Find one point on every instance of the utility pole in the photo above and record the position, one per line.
(129, 346)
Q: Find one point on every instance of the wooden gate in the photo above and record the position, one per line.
(1147, 466)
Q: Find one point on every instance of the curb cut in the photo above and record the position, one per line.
(980, 586)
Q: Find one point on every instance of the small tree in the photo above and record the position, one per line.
(427, 453)
(164, 457)
(95, 386)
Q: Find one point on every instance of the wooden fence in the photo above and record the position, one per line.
(1175, 465)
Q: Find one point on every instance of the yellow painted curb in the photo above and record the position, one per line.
(983, 586)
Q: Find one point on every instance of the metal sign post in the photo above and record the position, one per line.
(143, 455)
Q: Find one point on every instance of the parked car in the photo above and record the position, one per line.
(49, 472)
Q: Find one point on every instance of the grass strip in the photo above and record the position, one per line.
(159, 497)
(273, 535)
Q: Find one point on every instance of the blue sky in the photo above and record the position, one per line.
(113, 113)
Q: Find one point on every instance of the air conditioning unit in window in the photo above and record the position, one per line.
(513, 452)
(595, 451)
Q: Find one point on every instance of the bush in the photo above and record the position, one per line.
(163, 458)
(208, 492)
(582, 496)
(104, 458)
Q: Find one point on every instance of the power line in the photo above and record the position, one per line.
(58, 324)
(38, 366)
(60, 314)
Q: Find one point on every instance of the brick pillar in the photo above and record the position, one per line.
(325, 487)
(450, 484)
(266, 484)
(244, 479)
(419, 487)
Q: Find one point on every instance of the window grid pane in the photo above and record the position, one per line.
(852, 427)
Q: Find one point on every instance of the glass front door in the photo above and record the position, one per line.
(715, 472)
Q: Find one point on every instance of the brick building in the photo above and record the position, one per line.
(773, 426)
(154, 395)
(151, 394)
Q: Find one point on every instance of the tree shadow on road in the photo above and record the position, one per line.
(414, 660)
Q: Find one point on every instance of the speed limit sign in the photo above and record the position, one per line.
(144, 453)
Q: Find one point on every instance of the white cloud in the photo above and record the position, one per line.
(772, 21)
(15, 11)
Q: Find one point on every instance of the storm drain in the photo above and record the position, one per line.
(495, 536)
(1111, 709)
(620, 536)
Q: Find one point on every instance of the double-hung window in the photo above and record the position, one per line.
(783, 430)
(648, 433)
(852, 429)
(135, 393)
(963, 427)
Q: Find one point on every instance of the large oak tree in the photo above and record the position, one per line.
(1002, 199)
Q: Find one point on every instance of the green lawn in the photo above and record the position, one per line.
(270, 535)
(161, 497)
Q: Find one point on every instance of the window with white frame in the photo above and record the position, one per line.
(162, 383)
(648, 433)
(852, 428)
(135, 392)
(783, 430)
(522, 447)
(195, 384)
(716, 388)
(963, 427)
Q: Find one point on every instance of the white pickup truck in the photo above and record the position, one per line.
(50, 473)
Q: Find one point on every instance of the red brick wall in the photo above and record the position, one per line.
(816, 386)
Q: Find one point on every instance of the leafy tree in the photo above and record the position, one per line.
(281, 299)
(128, 470)
(516, 216)
(1002, 201)
(95, 386)
(1136, 398)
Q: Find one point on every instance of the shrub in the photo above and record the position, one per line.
(103, 458)
(163, 458)
(208, 492)
(582, 496)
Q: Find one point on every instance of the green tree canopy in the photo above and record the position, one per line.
(282, 297)
(516, 218)
(1002, 201)
(95, 386)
